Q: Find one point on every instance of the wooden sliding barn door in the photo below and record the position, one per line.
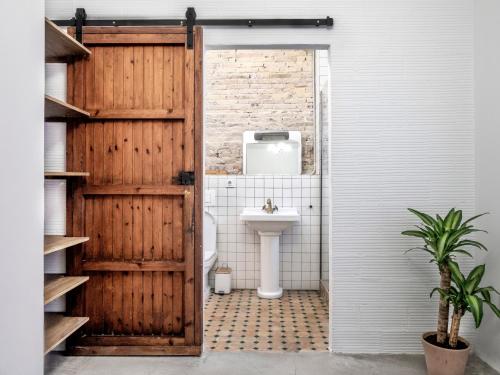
(142, 87)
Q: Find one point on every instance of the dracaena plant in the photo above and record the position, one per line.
(466, 295)
(444, 238)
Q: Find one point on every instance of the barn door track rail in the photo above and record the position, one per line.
(190, 21)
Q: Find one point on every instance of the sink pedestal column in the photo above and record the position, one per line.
(269, 265)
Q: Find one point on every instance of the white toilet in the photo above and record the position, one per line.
(209, 249)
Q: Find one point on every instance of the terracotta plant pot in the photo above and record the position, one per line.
(443, 361)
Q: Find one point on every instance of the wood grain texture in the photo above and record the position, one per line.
(57, 110)
(59, 327)
(131, 340)
(198, 185)
(65, 174)
(57, 286)
(134, 189)
(127, 38)
(61, 47)
(56, 243)
(136, 114)
(132, 350)
(134, 265)
(129, 30)
(141, 257)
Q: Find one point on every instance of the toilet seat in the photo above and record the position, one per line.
(209, 256)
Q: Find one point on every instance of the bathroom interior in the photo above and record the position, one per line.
(266, 207)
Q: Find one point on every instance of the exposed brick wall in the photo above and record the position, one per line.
(257, 90)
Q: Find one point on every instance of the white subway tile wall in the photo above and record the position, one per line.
(239, 247)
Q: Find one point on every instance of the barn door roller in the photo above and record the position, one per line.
(190, 21)
(80, 18)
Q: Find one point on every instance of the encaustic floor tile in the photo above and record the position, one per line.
(241, 321)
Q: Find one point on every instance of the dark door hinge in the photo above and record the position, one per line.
(190, 21)
(184, 178)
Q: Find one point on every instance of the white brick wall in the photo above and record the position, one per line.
(257, 90)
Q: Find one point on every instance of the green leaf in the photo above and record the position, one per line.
(453, 291)
(477, 244)
(457, 218)
(420, 248)
(473, 282)
(476, 308)
(494, 308)
(427, 230)
(486, 295)
(427, 219)
(456, 275)
(473, 218)
(442, 293)
(477, 272)
(448, 220)
(414, 233)
(477, 230)
(456, 234)
(442, 243)
(489, 289)
(463, 252)
(439, 223)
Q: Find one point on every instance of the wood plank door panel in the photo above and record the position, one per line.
(144, 257)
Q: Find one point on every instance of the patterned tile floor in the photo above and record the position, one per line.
(241, 321)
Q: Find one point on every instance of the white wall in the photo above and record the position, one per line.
(402, 135)
(322, 102)
(21, 190)
(487, 83)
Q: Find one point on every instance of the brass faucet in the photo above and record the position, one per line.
(268, 207)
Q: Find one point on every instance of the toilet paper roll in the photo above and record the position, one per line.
(55, 146)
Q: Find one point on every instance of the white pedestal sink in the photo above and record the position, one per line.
(269, 227)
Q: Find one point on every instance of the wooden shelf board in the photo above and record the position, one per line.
(56, 243)
(58, 327)
(66, 174)
(56, 286)
(61, 47)
(57, 110)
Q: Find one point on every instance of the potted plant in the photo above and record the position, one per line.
(444, 238)
(465, 295)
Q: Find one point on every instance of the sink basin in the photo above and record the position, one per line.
(269, 227)
(261, 221)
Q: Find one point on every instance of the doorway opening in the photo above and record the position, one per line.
(266, 95)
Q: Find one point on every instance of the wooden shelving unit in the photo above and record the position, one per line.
(56, 243)
(66, 174)
(58, 328)
(57, 286)
(59, 46)
(57, 110)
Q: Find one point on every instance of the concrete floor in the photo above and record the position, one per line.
(251, 363)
